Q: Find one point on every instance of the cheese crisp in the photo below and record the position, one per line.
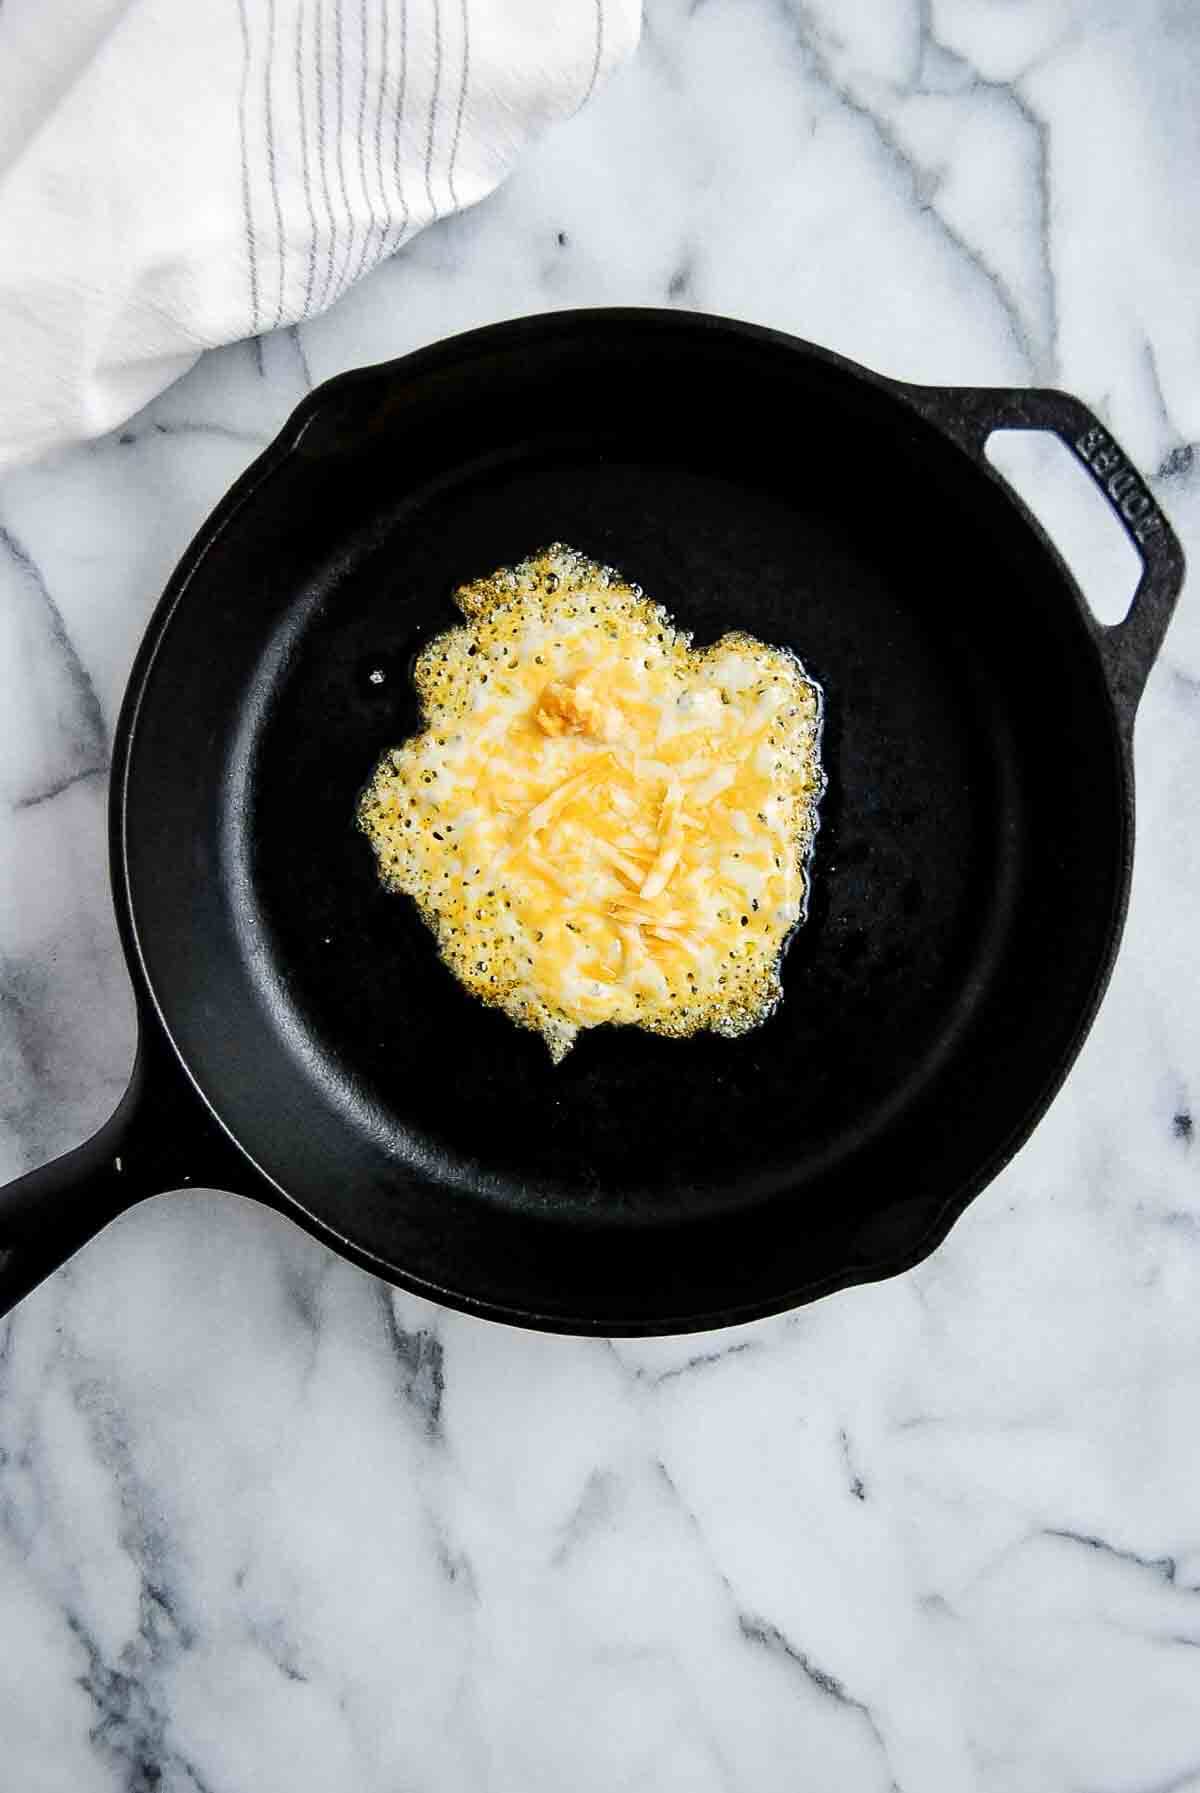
(598, 822)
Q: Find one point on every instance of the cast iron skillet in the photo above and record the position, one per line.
(301, 1042)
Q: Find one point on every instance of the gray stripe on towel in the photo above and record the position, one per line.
(247, 203)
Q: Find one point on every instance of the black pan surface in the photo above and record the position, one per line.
(969, 879)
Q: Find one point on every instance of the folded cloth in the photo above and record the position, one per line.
(175, 174)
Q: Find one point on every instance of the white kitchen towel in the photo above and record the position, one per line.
(175, 174)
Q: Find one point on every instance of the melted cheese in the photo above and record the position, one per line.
(598, 822)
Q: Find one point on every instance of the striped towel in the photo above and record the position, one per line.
(175, 174)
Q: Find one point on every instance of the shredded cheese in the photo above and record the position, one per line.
(599, 822)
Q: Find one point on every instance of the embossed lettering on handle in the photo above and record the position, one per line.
(1114, 475)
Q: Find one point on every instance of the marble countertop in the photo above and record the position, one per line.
(267, 1525)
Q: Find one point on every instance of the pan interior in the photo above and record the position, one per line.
(965, 882)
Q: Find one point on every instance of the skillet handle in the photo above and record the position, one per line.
(1128, 649)
(47, 1215)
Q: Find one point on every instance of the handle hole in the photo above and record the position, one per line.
(1074, 514)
